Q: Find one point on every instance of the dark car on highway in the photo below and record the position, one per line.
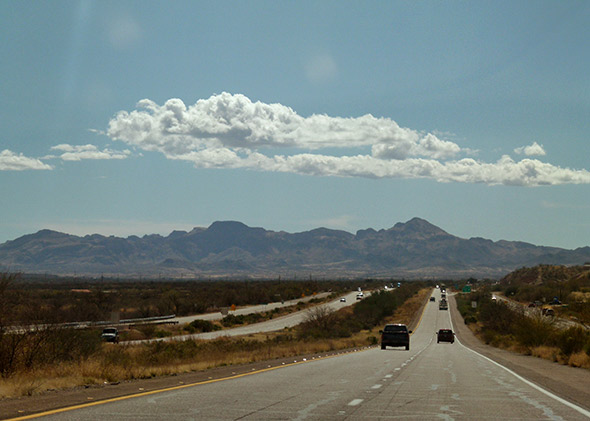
(395, 335)
(445, 335)
(432, 299)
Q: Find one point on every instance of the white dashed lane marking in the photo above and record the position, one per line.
(355, 402)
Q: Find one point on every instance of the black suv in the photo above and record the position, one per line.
(445, 335)
(395, 335)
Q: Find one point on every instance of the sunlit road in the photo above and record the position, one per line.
(272, 325)
(248, 309)
(430, 381)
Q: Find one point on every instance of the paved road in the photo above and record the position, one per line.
(430, 381)
(247, 310)
(272, 325)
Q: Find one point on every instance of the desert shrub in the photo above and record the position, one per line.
(38, 348)
(199, 325)
(366, 314)
(117, 356)
(161, 352)
(465, 309)
(372, 310)
(73, 344)
(533, 331)
(320, 322)
(232, 320)
(573, 340)
(497, 316)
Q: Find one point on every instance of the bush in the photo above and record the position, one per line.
(532, 332)
(232, 320)
(199, 325)
(573, 340)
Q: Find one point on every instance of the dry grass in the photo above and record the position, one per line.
(546, 352)
(408, 313)
(94, 371)
(552, 353)
(579, 359)
(124, 362)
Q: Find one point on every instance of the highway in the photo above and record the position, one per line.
(429, 382)
(261, 308)
(272, 325)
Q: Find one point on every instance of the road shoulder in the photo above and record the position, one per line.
(570, 383)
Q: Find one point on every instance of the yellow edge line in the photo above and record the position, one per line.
(168, 389)
(182, 386)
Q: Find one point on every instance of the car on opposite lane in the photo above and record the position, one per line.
(110, 334)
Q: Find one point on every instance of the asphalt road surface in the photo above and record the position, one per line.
(272, 325)
(430, 381)
(261, 308)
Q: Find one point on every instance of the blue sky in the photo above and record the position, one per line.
(123, 117)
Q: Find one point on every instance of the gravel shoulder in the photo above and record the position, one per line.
(570, 383)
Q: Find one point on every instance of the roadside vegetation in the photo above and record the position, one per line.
(570, 285)
(74, 300)
(50, 357)
(164, 330)
(499, 325)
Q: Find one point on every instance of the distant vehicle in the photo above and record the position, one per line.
(343, 300)
(360, 296)
(395, 335)
(443, 305)
(110, 334)
(494, 298)
(445, 335)
(547, 311)
(443, 296)
(432, 299)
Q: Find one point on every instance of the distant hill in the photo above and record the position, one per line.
(548, 275)
(415, 249)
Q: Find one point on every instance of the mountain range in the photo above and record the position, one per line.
(413, 250)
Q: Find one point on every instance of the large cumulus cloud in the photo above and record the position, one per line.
(231, 131)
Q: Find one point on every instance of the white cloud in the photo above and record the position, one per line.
(9, 161)
(233, 121)
(80, 152)
(230, 131)
(532, 150)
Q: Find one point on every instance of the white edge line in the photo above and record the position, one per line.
(528, 382)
